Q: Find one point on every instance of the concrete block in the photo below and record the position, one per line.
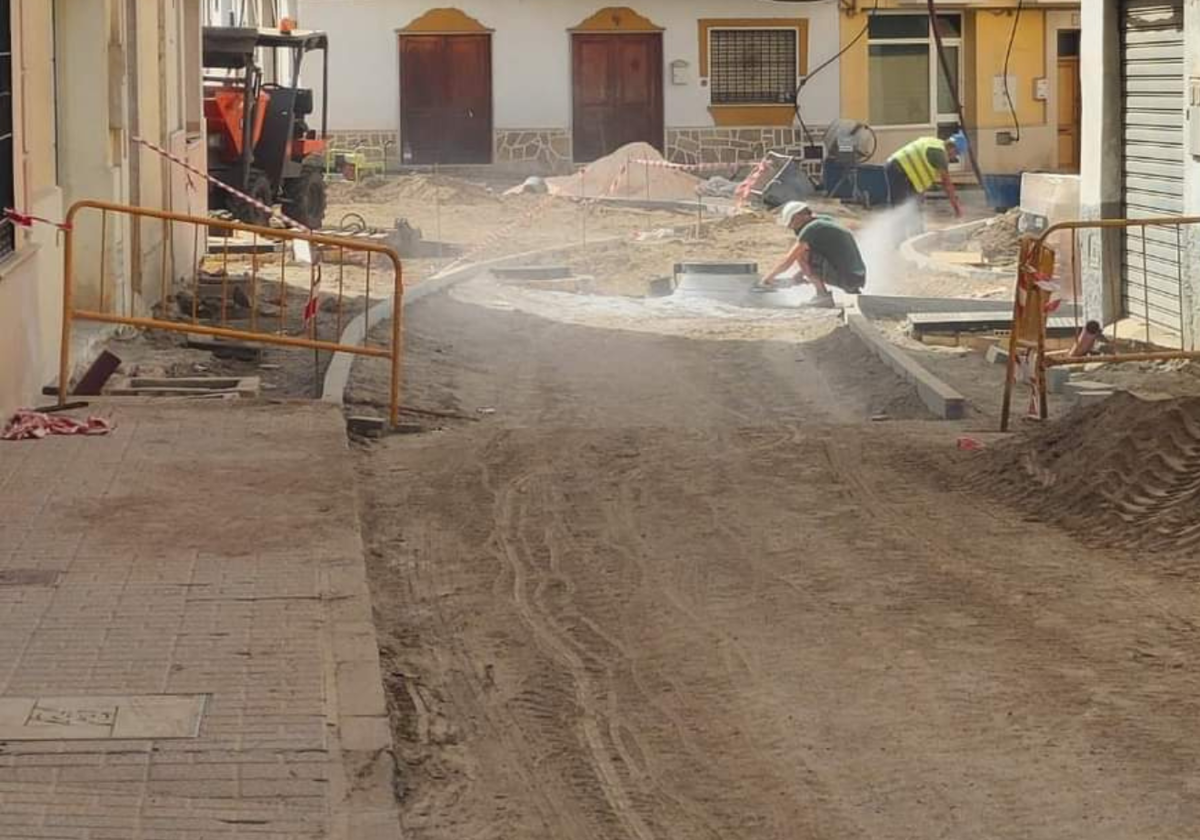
(1091, 397)
(366, 426)
(1077, 387)
(1057, 379)
(532, 272)
(942, 400)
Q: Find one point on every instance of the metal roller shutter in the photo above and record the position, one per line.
(1152, 87)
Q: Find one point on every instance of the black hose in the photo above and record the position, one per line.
(352, 223)
(808, 138)
(1012, 37)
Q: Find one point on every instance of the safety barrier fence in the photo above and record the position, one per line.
(255, 320)
(1152, 290)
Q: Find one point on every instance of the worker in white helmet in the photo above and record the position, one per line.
(825, 252)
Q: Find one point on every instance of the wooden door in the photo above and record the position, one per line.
(445, 98)
(1070, 114)
(617, 82)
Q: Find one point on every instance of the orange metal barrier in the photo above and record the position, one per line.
(1028, 335)
(308, 336)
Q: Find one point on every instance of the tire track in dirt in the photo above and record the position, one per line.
(646, 781)
(1122, 474)
(509, 519)
(627, 537)
(498, 733)
(711, 616)
(1112, 696)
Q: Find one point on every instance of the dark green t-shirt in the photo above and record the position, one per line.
(835, 244)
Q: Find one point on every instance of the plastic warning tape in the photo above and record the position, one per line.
(500, 234)
(752, 180)
(692, 167)
(253, 202)
(310, 307)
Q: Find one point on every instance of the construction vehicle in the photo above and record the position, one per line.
(259, 139)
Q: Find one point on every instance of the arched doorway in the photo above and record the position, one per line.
(617, 83)
(445, 89)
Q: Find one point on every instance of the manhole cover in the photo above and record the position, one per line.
(28, 577)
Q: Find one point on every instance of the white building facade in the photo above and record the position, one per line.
(548, 83)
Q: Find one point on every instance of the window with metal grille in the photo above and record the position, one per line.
(8, 234)
(753, 66)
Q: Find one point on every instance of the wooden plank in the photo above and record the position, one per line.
(91, 384)
(959, 257)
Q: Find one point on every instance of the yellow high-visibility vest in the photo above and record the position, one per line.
(915, 162)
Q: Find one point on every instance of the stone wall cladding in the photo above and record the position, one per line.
(542, 149)
(389, 140)
(548, 151)
(734, 145)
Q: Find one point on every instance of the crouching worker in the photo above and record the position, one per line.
(825, 252)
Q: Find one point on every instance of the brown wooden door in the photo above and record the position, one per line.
(446, 98)
(618, 92)
(1070, 113)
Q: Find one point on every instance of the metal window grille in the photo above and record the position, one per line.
(8, 234)
(753, 66)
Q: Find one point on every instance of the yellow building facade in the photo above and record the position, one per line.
(890, 78)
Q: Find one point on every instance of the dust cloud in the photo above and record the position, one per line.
(879, 242)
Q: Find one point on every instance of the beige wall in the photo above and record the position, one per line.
(987, 27)
(76, 103)
(30, 300)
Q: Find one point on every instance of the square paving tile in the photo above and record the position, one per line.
(128, 718)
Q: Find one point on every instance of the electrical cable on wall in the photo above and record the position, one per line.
(808, 138)
(953, 87)
(1012, 37)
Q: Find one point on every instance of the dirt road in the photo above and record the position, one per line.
(682, 589)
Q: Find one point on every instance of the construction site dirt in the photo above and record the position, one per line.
(658, 586)
(658, 568)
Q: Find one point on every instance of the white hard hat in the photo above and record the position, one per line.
(790, 211)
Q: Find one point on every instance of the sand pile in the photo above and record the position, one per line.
(1124, 473)
(381, 190)
(600, 176)
(999, 240)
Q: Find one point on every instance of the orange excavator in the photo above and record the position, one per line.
(259, 139)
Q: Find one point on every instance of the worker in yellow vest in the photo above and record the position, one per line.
(922, 163)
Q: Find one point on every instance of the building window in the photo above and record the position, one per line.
(907, 86)
(753, 66)
(8, 233)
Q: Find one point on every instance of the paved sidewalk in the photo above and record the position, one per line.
(183, 605)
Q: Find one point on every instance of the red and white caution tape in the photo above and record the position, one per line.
(25, 220)
(691, 167)
(501, 234)
(253, 202)
(752, 181)
(310, 308)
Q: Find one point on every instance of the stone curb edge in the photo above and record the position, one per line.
(940, 398)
